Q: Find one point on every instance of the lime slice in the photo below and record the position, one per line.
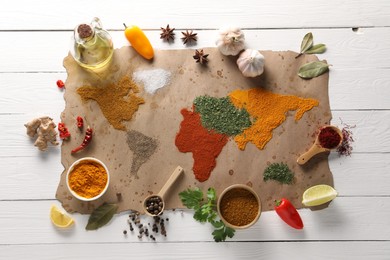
(59, 219)
(318, 195)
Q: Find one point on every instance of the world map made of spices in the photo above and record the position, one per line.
(244, 115)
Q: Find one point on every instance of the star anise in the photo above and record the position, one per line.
(167, 33)
(189, 36)
(200, 57)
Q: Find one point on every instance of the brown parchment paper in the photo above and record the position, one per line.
(160, 118)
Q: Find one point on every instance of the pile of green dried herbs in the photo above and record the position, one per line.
(221, 115)
(278, 172)
(206, 211)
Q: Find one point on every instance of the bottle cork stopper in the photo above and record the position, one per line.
(84, 31)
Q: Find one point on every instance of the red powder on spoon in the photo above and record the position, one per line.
(329, 138)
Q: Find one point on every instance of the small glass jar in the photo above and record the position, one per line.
(91, 45)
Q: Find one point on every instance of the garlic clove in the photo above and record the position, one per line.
(251, 63)
(230, 41)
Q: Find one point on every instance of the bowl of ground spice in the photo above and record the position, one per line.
(87, 179)
(239, 206)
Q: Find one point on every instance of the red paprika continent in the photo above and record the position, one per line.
(205, 145)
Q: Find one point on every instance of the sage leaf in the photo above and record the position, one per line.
(101, 216)
(313, 69)
(317, 49)
(307, 42)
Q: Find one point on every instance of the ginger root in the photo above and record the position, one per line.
(44, 127)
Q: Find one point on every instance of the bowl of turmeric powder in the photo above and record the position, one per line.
(87, 179)
(239, 206)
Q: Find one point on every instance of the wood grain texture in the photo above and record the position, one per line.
(35, 39)
(60, 15)
(345, 48)
(339, 250)
(27, 222)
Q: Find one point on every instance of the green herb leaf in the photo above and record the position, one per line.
(313, 69)
(307, 42)
(205, 211)
(191, 198)
(278, 172)
(317, 49)
(222, 231)
(101, 216)
(211, 195)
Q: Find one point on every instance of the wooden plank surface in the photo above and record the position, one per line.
(35, 39)
(356, 250)
(341, 221)
(60, 15)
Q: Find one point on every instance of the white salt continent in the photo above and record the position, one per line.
(152, 79)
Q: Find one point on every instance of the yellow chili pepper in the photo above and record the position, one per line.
(139, 41)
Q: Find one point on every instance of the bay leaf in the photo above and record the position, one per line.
(317, 49)
(313, 69)
(307, 42)
(101, 216)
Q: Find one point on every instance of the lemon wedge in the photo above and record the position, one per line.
(317, 195)
(59, 218)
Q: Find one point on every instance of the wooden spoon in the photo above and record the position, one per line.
(317, 148)
(160, 196)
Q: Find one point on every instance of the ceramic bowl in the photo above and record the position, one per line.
(231, 189)
(85, 160)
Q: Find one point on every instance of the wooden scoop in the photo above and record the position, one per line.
(317, 148)
(160, 196)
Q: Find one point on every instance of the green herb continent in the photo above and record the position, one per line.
(221, 115)
(278, 172)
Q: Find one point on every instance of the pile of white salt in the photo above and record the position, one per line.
(152, 80)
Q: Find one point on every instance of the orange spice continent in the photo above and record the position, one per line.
(118, 102)
(88, 179)
(269, 111)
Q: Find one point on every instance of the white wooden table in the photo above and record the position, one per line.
(35, 39)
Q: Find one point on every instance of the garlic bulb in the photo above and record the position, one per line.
(231, 41)
(251, 63)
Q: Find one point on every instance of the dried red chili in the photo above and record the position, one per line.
(63, 130)
(60, 83)
(80, 122)
(329, 138)
(86, 141)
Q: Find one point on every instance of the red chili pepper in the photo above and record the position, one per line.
(64, 133)
(86, 141)
(60, 83)
(80, 122)
(288, 213)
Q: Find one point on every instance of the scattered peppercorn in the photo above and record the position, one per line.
(157, 227)
(60, 84)
(124, 232)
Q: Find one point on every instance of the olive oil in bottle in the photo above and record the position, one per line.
(92, 46)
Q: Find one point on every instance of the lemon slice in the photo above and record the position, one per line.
(60, 219)
(318, 195)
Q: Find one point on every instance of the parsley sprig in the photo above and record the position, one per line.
(205, 211)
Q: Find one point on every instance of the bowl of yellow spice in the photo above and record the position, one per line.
(239, 206)
(87, 179)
